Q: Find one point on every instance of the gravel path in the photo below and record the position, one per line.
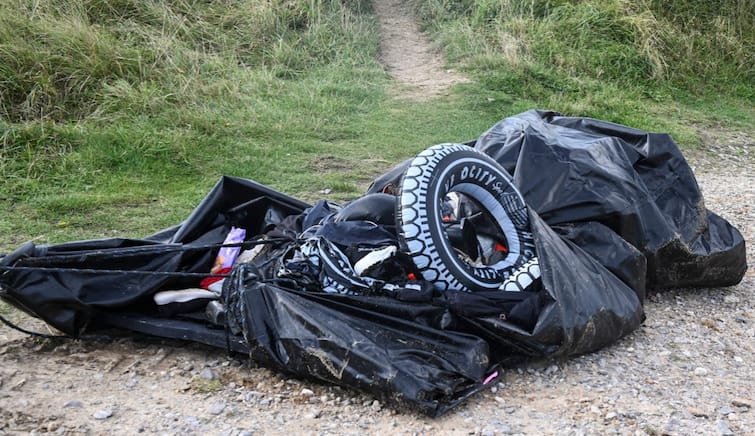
(408, 56)
(688, 370)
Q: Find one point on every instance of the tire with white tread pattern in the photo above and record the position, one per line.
(446, 168)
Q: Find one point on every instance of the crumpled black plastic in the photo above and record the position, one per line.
(615, 211)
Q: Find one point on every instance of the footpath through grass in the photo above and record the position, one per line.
(117, 117)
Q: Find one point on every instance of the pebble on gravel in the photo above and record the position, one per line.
(742, 402)
(103, 414)
(73, 403)
(207, 374)
(723, 428)
(726, 410)
(217, 408)
(694, 411)
(700, 371)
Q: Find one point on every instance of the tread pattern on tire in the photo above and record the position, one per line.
(431, 175)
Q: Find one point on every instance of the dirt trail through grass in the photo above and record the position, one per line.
(408, 56)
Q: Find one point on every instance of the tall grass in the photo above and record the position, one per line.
(93, 88)
(60, 60)
(688, 45)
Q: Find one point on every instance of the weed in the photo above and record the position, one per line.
(204, 386)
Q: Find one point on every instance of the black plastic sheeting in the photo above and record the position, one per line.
(615, 211)
(69, 300)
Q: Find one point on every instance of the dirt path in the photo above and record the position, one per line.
(408, 56)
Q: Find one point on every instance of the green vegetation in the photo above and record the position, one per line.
(637, 62)
(117, 116)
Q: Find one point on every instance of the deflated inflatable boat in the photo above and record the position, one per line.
(539, 239)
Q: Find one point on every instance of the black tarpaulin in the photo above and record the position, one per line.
(68, 299)
(638, 184)
(614, 211)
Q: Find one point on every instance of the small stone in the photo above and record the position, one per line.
(73, 403)
(731, 299)
(500, 400)
(725, 410)
(610, 416)
(742, 402)
(245, 433)
(510, 410)
(670, 427)
(193, 422)
(314, 414)
(253, 395)
(723, 428)
(694, 411)
(103, 414)
(487, 432)
(217, 408)
(307, 392)
(208, 374)
(376, 406)
(700, 371)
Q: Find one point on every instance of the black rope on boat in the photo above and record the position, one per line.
(182, 248)
(31, 333)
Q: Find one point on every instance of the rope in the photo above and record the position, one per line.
(145, 273)
(110, 271)
(31, 333)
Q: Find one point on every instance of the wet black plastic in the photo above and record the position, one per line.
(614, 211)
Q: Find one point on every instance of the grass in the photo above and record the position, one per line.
(117, 117)
(637, 62)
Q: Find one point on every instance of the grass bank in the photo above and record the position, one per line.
(117, 117)
(658, 65)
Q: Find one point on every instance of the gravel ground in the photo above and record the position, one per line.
(688, 370)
